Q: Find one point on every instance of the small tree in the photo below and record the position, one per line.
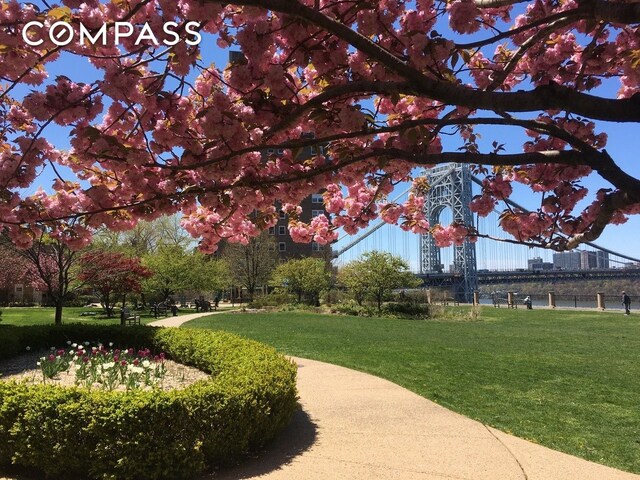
(253, 263)
(352, 278)
(304, 277)
(377, 274)
(175, 270)
(207, 274)
(113, 275)
(170, 270)
(50, 263)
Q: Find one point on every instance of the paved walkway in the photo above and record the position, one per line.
(357, 426)
(179, 320)
(354, 426)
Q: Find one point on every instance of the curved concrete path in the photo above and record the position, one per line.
(356, 426)
(180, 319)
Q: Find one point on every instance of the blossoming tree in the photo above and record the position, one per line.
(112, 275)
(14, 269)
(50, 267)
(371, 88)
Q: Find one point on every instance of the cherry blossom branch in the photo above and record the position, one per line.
(526, 45)
(477, 234)
(599, 10)
(576, 14)
(496, 3)
(540, 127)
(611, 203)
(563, 157)
(545, 97)
(598, 161)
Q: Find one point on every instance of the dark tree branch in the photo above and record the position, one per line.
(541, 34)
(541, 127)
(576, 14)
(496, 3)
(563, 157)
(612, 202)
(545, 97)
(599, 10)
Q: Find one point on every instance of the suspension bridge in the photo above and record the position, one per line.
(462, 268)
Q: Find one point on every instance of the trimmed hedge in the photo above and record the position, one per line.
(79, 433)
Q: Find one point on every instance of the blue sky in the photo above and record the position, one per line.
(623, 145)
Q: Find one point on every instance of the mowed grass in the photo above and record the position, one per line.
(22, 316)
(565, 379)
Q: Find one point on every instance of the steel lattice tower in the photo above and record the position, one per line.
(450, 187)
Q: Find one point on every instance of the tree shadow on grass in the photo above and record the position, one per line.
(294, 440)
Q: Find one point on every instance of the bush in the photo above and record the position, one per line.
(406, 309)
(272, 300)
(352, 308)
(74, 432)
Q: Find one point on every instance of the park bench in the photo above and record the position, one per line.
(160, 310)
(132, 320)
(128, 318)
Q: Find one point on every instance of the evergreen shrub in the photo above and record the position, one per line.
(80, 433)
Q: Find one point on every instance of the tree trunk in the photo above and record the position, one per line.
(58, 317)
(122, 315)
(107, 305)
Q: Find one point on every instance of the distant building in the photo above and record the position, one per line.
(581, 260)
(22, 294)
(567, 261)
(594, 260)
(537, 264)
(312, 206)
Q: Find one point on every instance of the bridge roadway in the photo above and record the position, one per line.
(521, 276)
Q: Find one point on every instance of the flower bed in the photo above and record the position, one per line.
(77, 432)
(102, 367)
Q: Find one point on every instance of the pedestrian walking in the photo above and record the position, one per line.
(626, 302)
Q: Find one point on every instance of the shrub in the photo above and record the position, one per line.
(275, 299)
(73, 432)
(352, 308)
(406, 309)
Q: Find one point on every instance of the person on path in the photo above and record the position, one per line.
(626, 302)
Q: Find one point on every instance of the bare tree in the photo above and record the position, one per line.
(252, 265)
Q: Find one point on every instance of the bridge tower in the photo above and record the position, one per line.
(450, 187)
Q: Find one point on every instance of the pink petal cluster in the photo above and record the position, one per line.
(300, 110)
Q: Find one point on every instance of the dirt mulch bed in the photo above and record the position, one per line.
(24, 369)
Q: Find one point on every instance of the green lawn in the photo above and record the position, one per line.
(45, 316)
(565, 379)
